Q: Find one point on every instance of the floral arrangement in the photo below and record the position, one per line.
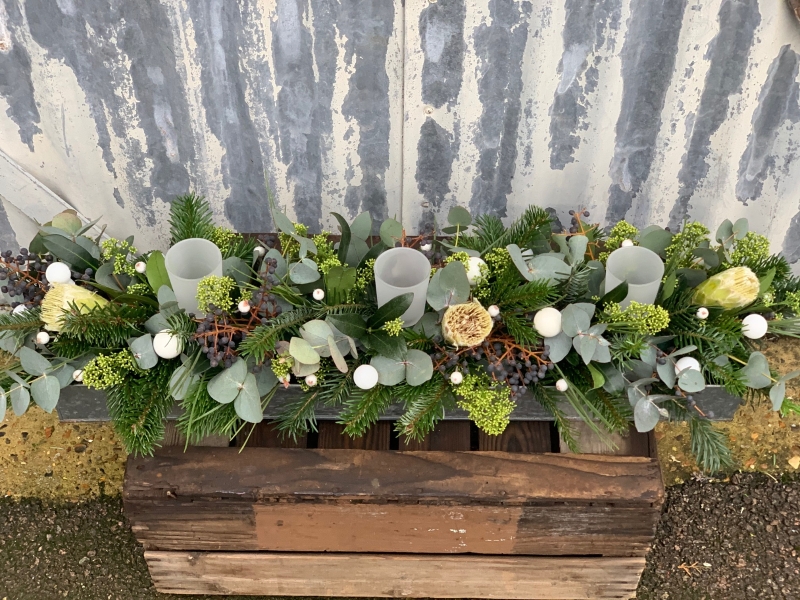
(628, 324)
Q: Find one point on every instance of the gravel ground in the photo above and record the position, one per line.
(734, 540)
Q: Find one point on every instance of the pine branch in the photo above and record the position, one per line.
(190, 217)
(520, 329)
(425, 406)
(528, 297)
(21, 324)
(564, 427)
(107, 326)
(299, 416)
(69, 347)
(261, 341)
(576, 286)
(242, 247)
(709, 446)
(530, 230)
(361, 411)
(203, 416)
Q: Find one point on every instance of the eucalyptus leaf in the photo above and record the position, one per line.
(614, 381)
(336, 355)
(302, 351)
(8, 342)
(710, 257)
(756, 372)
(428, 325)
(721, 360)
(596, 277)
(602, 354)
(316, 333)
(303, 370)
(226, 385)
(684, 350)
(645, 415)
(89, 246)
(166, 295)
(648, 355)
(419, 367)
(265, 380)
(391, 232)
(549, 267)
(238, 270)
(691, 381)
(143, 352)
(20, 400)
(740, 228)
(361, 227)
(448, 286)
(67, 221)
(559, 345)
(656, 240)
(667, 373)
(282, 267)
(302, 272)
(283, 223)
(777, 393)
(790, 375)
(635, 394)
(574, 320)
(577, 248)
(639, 369)
(585, 345)
(460, 216)
(45, 391)
(181, 382)
(391, 371)
(725, 233)
(248, 402)
(156, 323)
(32, 362)
(70, 252)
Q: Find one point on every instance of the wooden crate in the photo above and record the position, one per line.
(457, 515)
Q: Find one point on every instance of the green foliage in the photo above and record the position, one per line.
(69, 347)
(619, 233)
(531, 230)
(680, 252)
(393, 327)
(627, 347)
(214, 291)
(362, 410)
(138, 406)
(576, 286)
(106, 326)
(550, 403)
(709, 446)
(751, 249)
(119, 252)
(190, 217)
(203, 416)
(262, 339)
(109, 370)
(21, 324)
(424, 406)
(640, 318)
(488, 404)
(520, 329)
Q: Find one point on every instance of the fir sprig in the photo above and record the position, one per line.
(190, 217)
(21, 324)
(530, 230)
(424, 407)
(203, 416)
(107, 326)
(361, 411)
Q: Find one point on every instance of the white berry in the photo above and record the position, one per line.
(754, 326)
(702, 313)
(365, 377)
(562, 385)
(318, 294)
(687, 362)
(244, 307)
(77, 375)
(456, 377)
(493, 310)
(627, 243)
(259, 251)
(140, 266)
(426, 247)
(42, 338)
(547, 322)
(166, 345)
(58, 272)
(19, 309)
(311, 380)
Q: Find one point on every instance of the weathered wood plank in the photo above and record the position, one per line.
(332, 436)
(266, 435)
(448, 435)
(432, 529)
(173, 437)
(428, 477)
(519, 436)
(394, 576)
(633, 444)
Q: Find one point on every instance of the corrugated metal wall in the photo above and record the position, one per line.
(651, 110)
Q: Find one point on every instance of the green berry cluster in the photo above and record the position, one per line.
(365, 276)
(215, 291)
(108, 370)
(694, 235)
(462, 257)
(289, 245)
(498, 260)
(488, 403)
(792, 300)
(282, 366)
(647, 319)
(138, 289)
(619, 233)
(393, 327)
(119, 251)
(324, 245)
(752, 248)
(224, 238)
(326, 264)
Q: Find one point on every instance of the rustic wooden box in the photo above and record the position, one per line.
(459, 515)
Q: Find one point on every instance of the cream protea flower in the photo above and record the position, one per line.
(466, 324)
(733, 288)
(61, 297)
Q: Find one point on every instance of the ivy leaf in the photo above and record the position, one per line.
(33, 362)
(361, 227)
(302, 351)
(143, 352)
(248, 402)
(559, 345)
(691, 380)
(336, 355)
(459, 216)
(45, 391)
(419, 367)
(20, 399)
(391, 232)
(226, 385)
(344, 242)
(352, 325)
(776, 393)
(645, 415)
(756, 372)
(393, 309)
(391, 371)
(574, 320)
(157, 271)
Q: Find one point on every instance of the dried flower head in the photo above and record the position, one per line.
(466, 324)
(62, 297)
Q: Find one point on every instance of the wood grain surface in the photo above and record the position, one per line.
(394, 576)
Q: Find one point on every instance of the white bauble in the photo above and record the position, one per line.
(42, 338)
(562, 385)
(311, 380)
(77, 375)
(166, 345)
(474, 269)
(702, 313)
(687, 362)
(19, 309)
(754, 326)
(493, 310)
(58, 272)
(426, 247)
(318, 294)
(259, 251)
(244, 307)
(140, 267)
(366, 377)
(547, 322)
(456, 377)
(626, 243)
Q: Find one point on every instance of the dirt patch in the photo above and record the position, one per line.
(44, 458)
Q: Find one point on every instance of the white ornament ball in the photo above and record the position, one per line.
(77, 375)
(58, 272)
(702, 313)
(426, 247)
(687, 362)
(42, 338)
(493, 310)
(754, 326)
(311, 380)
(456, 377)
(562, 385)
(244, 307)
(626, 243)
(547, 322)
(19, 309)
(166, 345)
(318, 294)
(140, 266)
(259, 251)
(474, 273)
(366, 377)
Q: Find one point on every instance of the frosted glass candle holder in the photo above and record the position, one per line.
(641, 268)
(399, 271)
(187, 262)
